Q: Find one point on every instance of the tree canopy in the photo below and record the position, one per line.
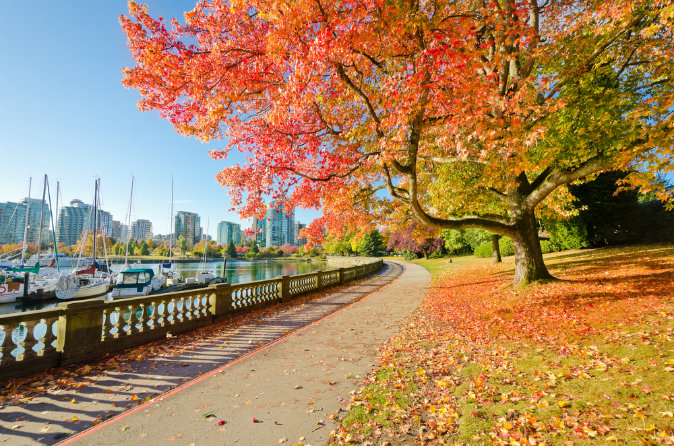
(465, 113)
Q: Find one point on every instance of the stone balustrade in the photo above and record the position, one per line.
(78, 331)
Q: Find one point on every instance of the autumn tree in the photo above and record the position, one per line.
(415, 239)
(468, 114)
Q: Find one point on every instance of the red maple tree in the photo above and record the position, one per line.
(469, 113)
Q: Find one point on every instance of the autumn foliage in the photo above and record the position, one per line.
(587, 360)
(456, 113)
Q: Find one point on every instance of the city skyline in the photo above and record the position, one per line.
(66, 114)
(76, 217)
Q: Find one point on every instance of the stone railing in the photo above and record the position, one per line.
(82, 330)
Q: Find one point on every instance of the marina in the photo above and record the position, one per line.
(236, 271)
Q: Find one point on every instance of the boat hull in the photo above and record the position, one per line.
(81, 292)
(12, 292)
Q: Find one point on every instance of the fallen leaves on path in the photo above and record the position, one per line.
(21, 390)
(582, 360)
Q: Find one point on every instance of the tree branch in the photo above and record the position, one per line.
(347, 80)
(321, 179)
(435, 159)
(556, 179)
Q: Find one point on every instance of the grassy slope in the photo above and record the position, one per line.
(586, 360)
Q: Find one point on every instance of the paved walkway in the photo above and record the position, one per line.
(289, 387)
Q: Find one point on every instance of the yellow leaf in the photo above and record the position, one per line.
(564, 404)
(73, 400)
(134, 398)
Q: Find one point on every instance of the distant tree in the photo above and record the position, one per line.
(143, 249)
(231, 250)
(371, 244)
(415, 239)
(608, 216)
(88, 248)
(341, 245)
(253, 247)
(464, 241)
(150, 244)
(183, 245)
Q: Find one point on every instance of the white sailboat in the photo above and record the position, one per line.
(138, 281)
(13, 283)
(88, 282)
(173, 277)
(203, 276)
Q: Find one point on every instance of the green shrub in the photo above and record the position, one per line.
(547, 246)
(565, 235)
(437, 254)
(409, 255)
(505, 244)
(483, 251)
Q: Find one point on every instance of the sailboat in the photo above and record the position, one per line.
(135, 281)
(91, 281)
(16, 279)
(173, 277)
(203, 276)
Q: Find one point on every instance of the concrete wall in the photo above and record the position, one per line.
(78, 331)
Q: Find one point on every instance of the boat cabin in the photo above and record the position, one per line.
(137, 278)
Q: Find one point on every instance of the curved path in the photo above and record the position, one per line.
(289, 386)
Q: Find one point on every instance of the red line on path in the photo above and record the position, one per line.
(207, 375)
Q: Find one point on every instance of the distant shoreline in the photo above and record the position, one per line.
(147, 260)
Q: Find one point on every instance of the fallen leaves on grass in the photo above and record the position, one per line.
(578, 361)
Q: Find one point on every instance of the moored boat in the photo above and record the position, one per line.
(137, 282)
(92, 281)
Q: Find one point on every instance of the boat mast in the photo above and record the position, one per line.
(171, 242)
(128, 227)
(25, 224)
(56, 215)
(204, 236)
(39, 235)
(95, 216)
(53, 224)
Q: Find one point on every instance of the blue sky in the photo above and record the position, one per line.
(65, 113)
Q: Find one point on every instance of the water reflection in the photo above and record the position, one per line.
(236, 271)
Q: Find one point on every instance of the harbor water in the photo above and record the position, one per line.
(236, 271)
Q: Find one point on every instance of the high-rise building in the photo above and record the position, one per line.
(78, 217)
(228, 231)
(260, 231)
(105, 223)
(280, 227)
(13, 221)
(123, 232)
(296, 234)
(141, 229)
(187, 224)
(116, 233)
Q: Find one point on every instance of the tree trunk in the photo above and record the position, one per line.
(495, 248)
(529, 265)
